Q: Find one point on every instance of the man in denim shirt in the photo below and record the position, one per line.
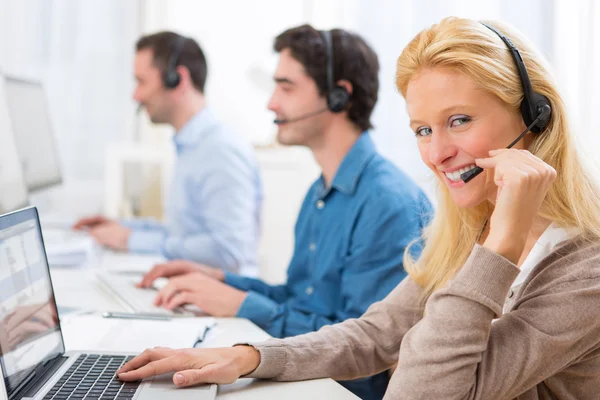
(356, 220)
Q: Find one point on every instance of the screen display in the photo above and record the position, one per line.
(29, 328)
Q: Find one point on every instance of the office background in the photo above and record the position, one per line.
(83, 50)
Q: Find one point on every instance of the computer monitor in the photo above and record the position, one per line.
(13, 190)
(32, 127)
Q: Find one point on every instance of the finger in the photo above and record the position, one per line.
(546, 170)
(146, 357)
(153, 368)
(490, 162)
(89, 221)
(166, 293)
(497, 151)
(179, 299)
(516, 175)
(156, 272)
(211, 373)
(165, 270)
(84, 222)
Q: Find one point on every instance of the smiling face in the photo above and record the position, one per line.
(456, 122)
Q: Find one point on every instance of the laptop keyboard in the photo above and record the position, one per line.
(92, 376)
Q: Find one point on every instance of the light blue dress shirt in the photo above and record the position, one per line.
(213, 209)
(349, 244)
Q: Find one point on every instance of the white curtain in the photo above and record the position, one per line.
(577, 63)
(83, 52)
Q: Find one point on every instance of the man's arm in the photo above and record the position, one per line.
(277, 293)
(147, 235)
(225, 198)
(372, 268)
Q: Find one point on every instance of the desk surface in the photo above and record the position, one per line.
(77, 287)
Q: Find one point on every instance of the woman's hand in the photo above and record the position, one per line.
(193, 366)
(523, 181)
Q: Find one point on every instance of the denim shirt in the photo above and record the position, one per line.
(213, 209)
(349, 244)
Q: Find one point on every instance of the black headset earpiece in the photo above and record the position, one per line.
(534, 104)
(171, 77)
(337, 96)
(535, 107)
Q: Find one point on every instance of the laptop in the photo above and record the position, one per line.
(32, 351)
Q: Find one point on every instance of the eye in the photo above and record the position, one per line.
(423, 131)
(459, 120)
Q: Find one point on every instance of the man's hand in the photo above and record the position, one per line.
(193, 366)
(179, 267)
(213, 297)
(111, 234)
(91, 222)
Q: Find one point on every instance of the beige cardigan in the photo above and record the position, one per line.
(546, 347)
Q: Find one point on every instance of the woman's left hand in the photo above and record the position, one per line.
(523, 181)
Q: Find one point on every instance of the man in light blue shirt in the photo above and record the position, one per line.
(213, 211)
(356, 221)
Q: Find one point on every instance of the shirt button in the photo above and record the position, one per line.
(320, 204)
(309, 290)
(312, 247)
(511, 294)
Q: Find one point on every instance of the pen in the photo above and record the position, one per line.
(202, 337)
(150, 316)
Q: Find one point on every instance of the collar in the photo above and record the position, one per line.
(550, 239)
(195, 130)
(347, 176)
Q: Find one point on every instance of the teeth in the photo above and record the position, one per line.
(455, 176)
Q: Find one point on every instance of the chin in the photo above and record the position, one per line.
(467, 199)
(286, 137)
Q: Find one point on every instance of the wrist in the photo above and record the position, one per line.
(219, 275)
(508, 246)
(248, 359)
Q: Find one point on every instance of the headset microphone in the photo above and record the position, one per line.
(312, 114)
(545, 112)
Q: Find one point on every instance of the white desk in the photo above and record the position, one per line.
(79, 288)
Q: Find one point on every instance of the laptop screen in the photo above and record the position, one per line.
(29, 328)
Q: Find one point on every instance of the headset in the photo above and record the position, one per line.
(171, 77)
(535, 107)
(337, 96)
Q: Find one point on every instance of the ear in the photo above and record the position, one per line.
(346, 85)
(184, 73)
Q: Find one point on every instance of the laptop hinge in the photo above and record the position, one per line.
(41, 375)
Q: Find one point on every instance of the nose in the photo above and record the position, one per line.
(441, 148)
(273, 104)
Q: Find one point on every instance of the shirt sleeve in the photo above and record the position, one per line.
(476, 358)
(453, 350)
(226, 197)
(372, 268)
(147, 235)
(278, 293)
(348, 350)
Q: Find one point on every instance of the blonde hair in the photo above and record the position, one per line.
(471, 48)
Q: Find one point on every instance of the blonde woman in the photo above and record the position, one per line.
(504, 301)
